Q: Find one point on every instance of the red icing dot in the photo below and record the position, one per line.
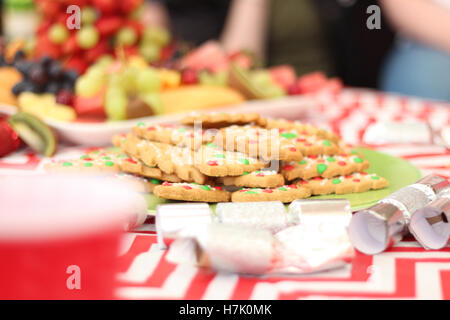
(288, 167)
(321, 161)
(313, 156)
(303, 182)
(187, 187)
(243, 190)
(318, 178)
(87, 159)
(348, 177)
(343, 155)
(292, 149)
(130, 160)
(167, 184)
(364, 173)
(300, 139)
(267, 191)
(342, 163)
(151, 128)
(356, 180)
(304, 133)
(308, 144)
(191, 135)
(293, 186)
(218, 188)
(260, 175)
(212, 163)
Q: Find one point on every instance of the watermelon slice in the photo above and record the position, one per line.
(283, 75)
(209, 55)
(90, 106)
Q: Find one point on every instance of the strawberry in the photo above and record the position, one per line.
(127, 6)
(70, 46)
(43, 27)
(106, 6)
(45, 47)
(97, 51)
(9, 138)
(108, 26)
(76, 63)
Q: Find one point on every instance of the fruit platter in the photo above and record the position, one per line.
(101, 79)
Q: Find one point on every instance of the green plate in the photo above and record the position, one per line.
(397, 171)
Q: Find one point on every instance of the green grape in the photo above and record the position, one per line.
(150, 52)
(58, 33)
(154, 101)
(105, 60)
(116, 80)
(97, 73)
(87, 37)
(87, 86)
(274, 91)
(115, 103)
(126, 36)
(147, 81)
(156, 35)
(129, 76)
(88, 15)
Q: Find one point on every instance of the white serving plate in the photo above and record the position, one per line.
(100, 133)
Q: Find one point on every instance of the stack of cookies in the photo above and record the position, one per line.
(220, 157)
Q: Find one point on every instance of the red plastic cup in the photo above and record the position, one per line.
(59, 236)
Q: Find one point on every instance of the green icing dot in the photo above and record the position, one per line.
(205, 188)
(321, 168)
(88, 164)
(67, 164)
(122, 156)
(182, 129)
(336, 181)
(106, 158)
(155, 181)
(355, 151)
(141, 124)
(84, 156)
(358, 160)
(289, 135)
(194, 183)
(222, 156)
(251, 192)
(244, 161)
(302, 162)
(327, 143)
(375, 178)
(245, 173)
(282, 189)
(109, 163)
(211, 145)
(331, 159)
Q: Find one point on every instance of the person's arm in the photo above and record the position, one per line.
(155, 14)
(245, 27)
(421, 20)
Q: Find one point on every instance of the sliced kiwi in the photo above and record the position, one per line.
(136, 108)
(239, 80)
(36, 134)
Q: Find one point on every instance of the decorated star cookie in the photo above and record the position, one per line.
(177, 135)
(191, 192)
(323, 166)
(255, 179)
(353, 183)
(286, 193)
(90, 162)
(213, 161)
(302, 128)
(258, 142)
(222, 119)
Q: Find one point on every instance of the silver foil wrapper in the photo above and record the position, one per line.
(270, 215)
(174, 219)
(430, 225)
(375, 229)
(318, 243)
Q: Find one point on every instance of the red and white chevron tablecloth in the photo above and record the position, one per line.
(406, 271)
